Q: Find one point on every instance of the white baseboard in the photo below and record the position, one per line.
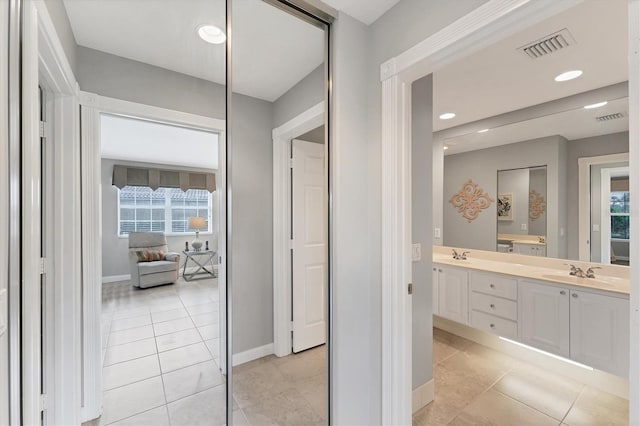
(422, 396)
(251, 354)
(115, 278)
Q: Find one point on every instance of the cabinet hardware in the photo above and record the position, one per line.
(410, 288)
(439, 270)
(492, 306)
(492, 286)
(492, 325)
(562, 292)
(574, 295)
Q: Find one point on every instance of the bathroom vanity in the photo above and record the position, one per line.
(536, 302)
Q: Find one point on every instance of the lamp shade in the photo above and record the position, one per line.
(197, 222)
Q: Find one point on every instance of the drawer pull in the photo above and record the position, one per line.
(492, 306)
(439, 270)
(492, 325)
(575, 295)
(492, 286)
(563, 292)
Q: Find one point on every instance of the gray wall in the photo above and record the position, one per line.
(589, 147)
(303, 95)
(121, 78)
(482, 166)
(316, 135)
(60, 20)
(538, 183)
(421, 218)
(115, 259)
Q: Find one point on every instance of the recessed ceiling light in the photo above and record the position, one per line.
(483, 131)
(569, 75)
(447, 116)
(445, 147)
(598, 105)
(211, 34)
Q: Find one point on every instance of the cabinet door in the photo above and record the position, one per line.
(453, 294)
(600, 331)
(543, 317)
(434, 289)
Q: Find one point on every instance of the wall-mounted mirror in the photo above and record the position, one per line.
(561, 188)
(521, 206)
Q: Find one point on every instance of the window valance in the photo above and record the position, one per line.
(156, 178)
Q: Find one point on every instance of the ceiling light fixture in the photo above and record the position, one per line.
(483, 131)
(569, 75)
(445, 147)
(211, 34)
(447, 116)
(596, 105)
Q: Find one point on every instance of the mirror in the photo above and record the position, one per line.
(522, 211)
(509, 107)
(279, 197)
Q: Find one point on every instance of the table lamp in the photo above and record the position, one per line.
(197, 223)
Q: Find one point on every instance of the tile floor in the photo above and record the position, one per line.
(160, 364)
(476, 385)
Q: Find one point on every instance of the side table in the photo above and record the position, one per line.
(203, 259)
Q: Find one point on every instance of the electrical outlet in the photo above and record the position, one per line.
(523, 227)
(416, 252)
(436, 233)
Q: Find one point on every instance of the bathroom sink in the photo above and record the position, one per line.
(601, 281)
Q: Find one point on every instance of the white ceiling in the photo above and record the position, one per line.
(500, 78)
(573, 124)
(367, 11)
(272, 49)
(123, 138)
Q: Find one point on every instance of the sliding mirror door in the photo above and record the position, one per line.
(279, 261)
(153, 129)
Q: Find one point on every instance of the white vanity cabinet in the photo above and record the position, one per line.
(453, 293)
(600, 331)
(530, 249)
(543, 317)
(493, 303)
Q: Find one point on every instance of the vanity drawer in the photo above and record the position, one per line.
(495, 325)
(494, 305)
(494, 285)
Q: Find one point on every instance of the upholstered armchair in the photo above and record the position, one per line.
(150, 262)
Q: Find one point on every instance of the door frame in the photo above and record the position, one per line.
(282, 297)
(486, 24)
(605, 211)
(584, 198)
(92, 106)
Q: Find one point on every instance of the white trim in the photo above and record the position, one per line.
(634, 187)
(584, 198)
(282, 136)
(493, 20)
(605, 210)
(115, 278)
(422, 396)
(252, 354)
(149, 112)
(31, 213)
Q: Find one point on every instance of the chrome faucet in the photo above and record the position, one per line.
(460, 256)
(576, 272)
(590, 273)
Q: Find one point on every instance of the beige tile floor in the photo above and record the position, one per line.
(160, 365)
(475, 385)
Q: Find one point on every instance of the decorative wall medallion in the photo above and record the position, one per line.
(537, 205)
(470, 200)
(505, 206)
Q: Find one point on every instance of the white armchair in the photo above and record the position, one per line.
(146, 274)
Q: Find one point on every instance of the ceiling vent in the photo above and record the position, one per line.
(549, 44)
(609, 117)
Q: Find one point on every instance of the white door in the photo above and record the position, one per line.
(543, 317)
(309, 217)
(600, 331)
(434, 290)
(453, 294)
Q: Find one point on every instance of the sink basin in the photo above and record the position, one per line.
(603, 281)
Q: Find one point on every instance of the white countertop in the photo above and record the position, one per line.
(610, 278)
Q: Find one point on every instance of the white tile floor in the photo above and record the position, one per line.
(160, 352)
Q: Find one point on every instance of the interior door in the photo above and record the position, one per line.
(309, 283)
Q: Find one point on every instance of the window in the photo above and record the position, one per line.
(165, 210)
(619, 208)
